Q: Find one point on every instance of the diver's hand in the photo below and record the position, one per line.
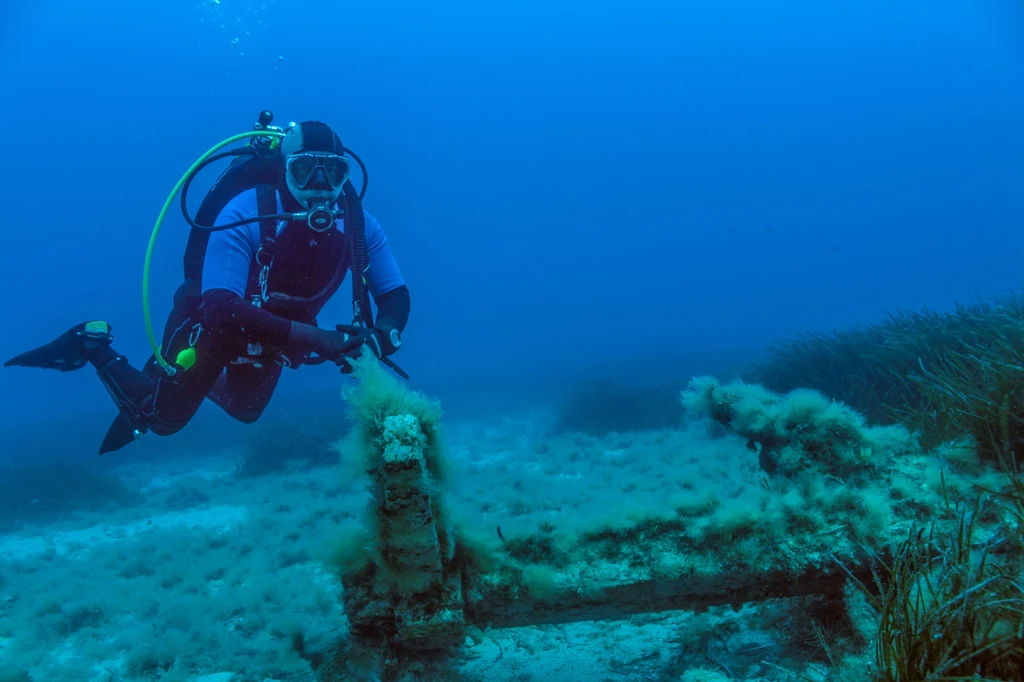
(326, 343)
(361, 337)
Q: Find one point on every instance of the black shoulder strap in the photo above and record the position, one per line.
(266, 205)
(355, 225)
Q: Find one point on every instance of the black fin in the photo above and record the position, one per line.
(50, 356)
(64, 354)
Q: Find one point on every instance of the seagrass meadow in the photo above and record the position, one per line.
(946, 600)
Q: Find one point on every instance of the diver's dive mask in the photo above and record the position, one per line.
(317, 170)
(316, 179)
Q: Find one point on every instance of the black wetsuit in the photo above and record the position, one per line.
(240, 347)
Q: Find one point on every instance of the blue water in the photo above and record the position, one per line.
(564, 184)
(571, 189)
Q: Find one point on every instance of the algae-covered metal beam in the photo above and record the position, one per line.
(422, 593)
(834, 490)
(410, 597)
(492, 605)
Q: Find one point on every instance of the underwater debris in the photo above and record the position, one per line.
(799, 430)
(417, 580)
(842, 495)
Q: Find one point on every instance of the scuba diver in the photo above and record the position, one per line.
(269, 246)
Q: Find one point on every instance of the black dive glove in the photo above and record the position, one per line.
(372, 338)
(315, 345)
(344, 343)
(382, 341)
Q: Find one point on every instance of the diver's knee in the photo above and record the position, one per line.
(164, 428)
(237, 410)
(248, 415)
(160, 422)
